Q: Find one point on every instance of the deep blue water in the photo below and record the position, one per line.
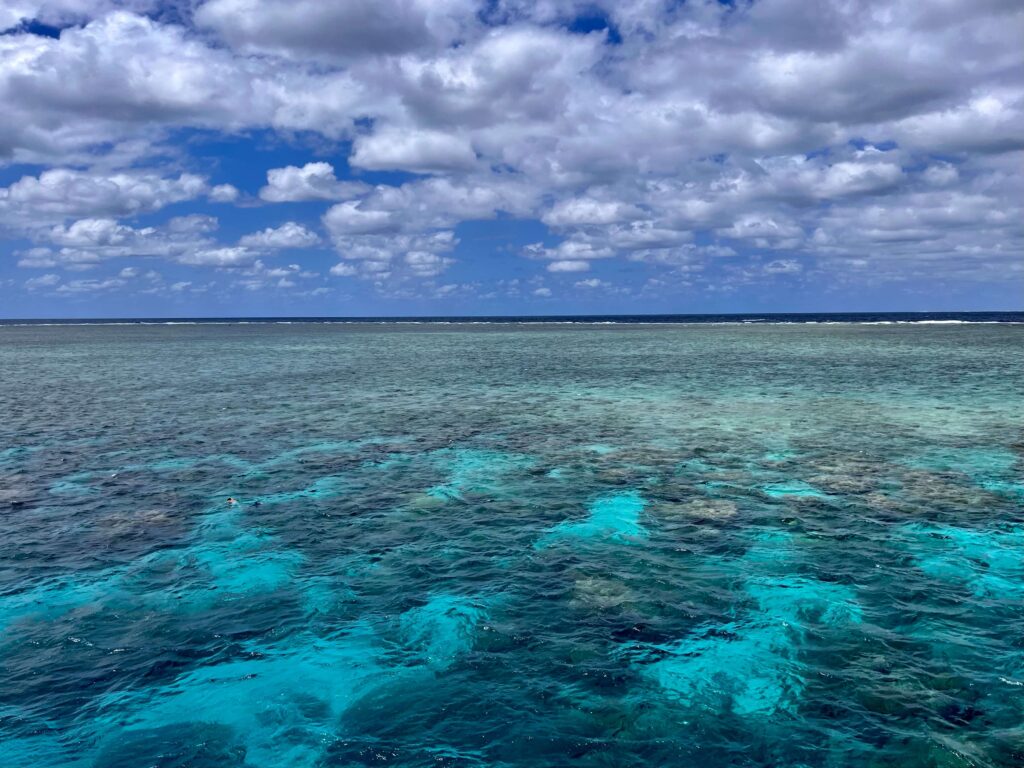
(736, 544)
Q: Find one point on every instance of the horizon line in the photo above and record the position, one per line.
(560, 316)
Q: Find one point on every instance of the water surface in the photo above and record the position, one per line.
(497, 545)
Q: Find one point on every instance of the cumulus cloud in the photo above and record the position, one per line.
(344, 270)
(569, 265)
(288, 235)
(218, 257)
(258, 276)
(89, 286)
(111, 78)
(576, 250)
(43, 281)
(86, 243)
(411, 149)
(86, 233)
(355, 218)
(224, 193)
(313, 181)
(592, 283)
(577, 212)
(62, 193)
(425, 264)
(346, 31)
(378, 257)
(789, 138)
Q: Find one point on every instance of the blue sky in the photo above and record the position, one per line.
(390, 157)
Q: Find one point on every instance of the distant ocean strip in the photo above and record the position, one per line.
(856, 318)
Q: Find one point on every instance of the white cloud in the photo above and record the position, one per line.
(37, 258)
(224, 193)
(380, 256)
(288, 235)
(569, 265)
(258, 276)
(89, 286)
(344, 270)
(87, 242)
(218, 257)
(86, 233)
(582, 211)
(410, 149)
(115, 77)
(313, 181)
(573, 250)
(797, 132)
(354, 219)
(425, 264)
(61, 193)
(43, 281)
(64, 12)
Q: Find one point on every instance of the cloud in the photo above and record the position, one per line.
(288, 235)
(62, 193)
(381, 256)
(831, 135)
(988, 123)
(582, 211)
(218, 257)
(569, 265)
(193, 224)
(61, 13)
(86, 233)
(43, 281)
(423, 264)
(345, 31)
(89, 286)
(414, 150)
(313, 181)
(783, 267)
(37, 258)
(258, 276)
(116, 76)
(85, 243)
(344, 270)
(355, 219)
(223, 193)
(576, 249)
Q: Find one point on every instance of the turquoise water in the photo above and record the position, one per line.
(501, 546)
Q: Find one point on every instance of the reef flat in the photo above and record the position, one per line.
(537, 545)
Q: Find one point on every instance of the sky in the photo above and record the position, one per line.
(222, 158)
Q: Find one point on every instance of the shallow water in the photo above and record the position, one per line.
(496, 546)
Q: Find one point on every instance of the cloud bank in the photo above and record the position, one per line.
(696, 146)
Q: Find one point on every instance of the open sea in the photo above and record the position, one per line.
(719, 541)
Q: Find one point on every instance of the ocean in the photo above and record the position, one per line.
(788, 540)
